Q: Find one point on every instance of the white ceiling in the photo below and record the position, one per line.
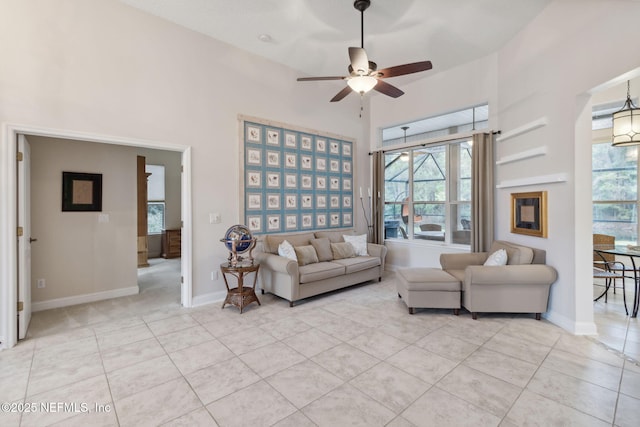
(312, 36)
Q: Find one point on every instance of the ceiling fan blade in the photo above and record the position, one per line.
(344, 92)
(401, 70)
(359, 60)
(387, 89)
(312, 79)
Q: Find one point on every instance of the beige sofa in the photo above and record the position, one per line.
(521, 286)
(285, 278)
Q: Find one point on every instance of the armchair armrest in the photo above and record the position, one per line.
(512, 275)
(461, 261)
(278, 263)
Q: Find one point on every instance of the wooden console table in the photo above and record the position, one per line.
(240, 296)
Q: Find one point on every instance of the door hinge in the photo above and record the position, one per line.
(181, 168)
(181, 224)
(20, 156)
(181, 279)
(20, 306)
(20, 231)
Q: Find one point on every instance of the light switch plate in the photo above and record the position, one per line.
(215, 218)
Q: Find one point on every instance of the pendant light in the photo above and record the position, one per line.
(404, 156)
(626, 123)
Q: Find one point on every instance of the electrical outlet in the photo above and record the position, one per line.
(40, 283)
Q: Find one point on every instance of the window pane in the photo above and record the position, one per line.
(430, 174)
(155, 182)
(155, 217)
(461, 223)
(616, 219)
(615, 174)
(464, 171)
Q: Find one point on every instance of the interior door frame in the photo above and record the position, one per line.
(8, 217)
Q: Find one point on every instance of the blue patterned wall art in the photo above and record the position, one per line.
(296, 180)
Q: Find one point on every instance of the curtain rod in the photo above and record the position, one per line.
(435, 141)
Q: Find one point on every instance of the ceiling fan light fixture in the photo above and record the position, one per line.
(362, 84)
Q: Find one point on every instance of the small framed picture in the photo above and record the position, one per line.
(290, 140)
(273, 159)
(335, 219)
(307, 201)
(306, 181)
(255, 223)
(529, 213)
(321, 202)
(273, 222)
(321, 220)
(346, 149)
(307, 221)
(346, 167)
(273, 137)
(253, 156)
(334, 166)
(273, 201)
(321, 182)
(346, 184)
(334, 201)
(254, 201)
(346, 201)
(290, 160)
(334, 147)
(291, 180)
(291, 222)
(291, 201)
(321, 145)
(346, 219)
(305, 162)
(321, 164)
(253, 134)
(81, 192)
(334, 183)
(305, 143)
(254, 179)
(273, 179)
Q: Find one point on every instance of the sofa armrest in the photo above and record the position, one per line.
(512, 275)
(377, 250)
(277, 263)
(462, 260)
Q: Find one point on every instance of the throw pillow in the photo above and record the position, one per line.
(359, 244)
(342, 250)
(497, 258)
(323, 248)
(286, 250)
(306, 255)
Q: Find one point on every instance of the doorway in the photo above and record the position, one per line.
(9, 222)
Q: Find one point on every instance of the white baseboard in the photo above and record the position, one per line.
(85, 298)
(576, 328)
(209, 298)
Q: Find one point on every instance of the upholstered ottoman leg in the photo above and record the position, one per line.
(411, 310)
(538, 316)
(456, 311)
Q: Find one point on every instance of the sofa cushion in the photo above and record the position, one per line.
(359, 263)
(342, 250)
(333, 236)
(319, 271)
(359, 243)
(516, 254)
(306, 255)
(286, 250)
(323, 248)
(272, 241)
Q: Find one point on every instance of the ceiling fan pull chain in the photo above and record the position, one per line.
(361, 103)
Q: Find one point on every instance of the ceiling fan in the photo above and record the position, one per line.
(363, 74)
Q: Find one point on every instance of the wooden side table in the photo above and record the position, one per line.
(240, 296)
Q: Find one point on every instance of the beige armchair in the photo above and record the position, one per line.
(521, 286)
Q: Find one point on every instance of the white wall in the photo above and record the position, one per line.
(104, 68)
(546, 71)
(76, 253)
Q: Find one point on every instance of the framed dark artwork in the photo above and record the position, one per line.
(81, 192)
(529, 213)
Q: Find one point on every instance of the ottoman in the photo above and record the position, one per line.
(429, 288)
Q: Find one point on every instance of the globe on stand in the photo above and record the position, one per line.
(238, 240)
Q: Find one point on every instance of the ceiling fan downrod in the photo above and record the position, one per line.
(362, 5)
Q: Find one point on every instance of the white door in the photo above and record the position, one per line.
(24, 241)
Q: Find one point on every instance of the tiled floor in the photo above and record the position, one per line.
(354, 357)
